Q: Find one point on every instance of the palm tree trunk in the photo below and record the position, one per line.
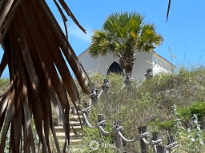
(126, 62)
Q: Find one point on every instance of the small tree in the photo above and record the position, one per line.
(122, 34)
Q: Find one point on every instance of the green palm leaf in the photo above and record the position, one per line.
(122, 34)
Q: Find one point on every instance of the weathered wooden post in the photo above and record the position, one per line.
(86, 105)
(106, 86)
(161, 149)
(143, 146)
(128, 82)
(94, 95)
(155, 136)
(118, 139)
(149, 74)
(101, 118)
(170, 140)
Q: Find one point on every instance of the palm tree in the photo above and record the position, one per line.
(122, 34)
(34, 46)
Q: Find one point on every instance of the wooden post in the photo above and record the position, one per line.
(143, 146)
(94, 95)
(105, 87)
(161, 149)
(149, 74)
(118, 140)
(155, 136)
(170, 140)
(101, 118)
(86, 105)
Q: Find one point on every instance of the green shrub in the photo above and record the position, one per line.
(163, 125)
(184, 113)
(197, 108)
(95, 135)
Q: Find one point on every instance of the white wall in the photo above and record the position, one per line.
(101, 64)
(141, 65)
(160, 66)
(143, 62)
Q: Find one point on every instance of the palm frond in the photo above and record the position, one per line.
(169, 4)
(123, 33)
(34, 46)
(149, 38)
(101, 43)
(116, 33)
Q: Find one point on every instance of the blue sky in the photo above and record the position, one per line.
(184, 32)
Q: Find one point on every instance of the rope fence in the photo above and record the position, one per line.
(143, 134)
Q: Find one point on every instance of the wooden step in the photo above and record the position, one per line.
(75, 123)
(75, 118)
(72, 123)
(60, 129)
(72, 135)
(72, 141)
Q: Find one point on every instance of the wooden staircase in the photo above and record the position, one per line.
(75, 132)
(74, 124)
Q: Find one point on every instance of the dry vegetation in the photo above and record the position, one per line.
(151, 104)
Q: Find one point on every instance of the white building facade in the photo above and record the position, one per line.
(143, 62)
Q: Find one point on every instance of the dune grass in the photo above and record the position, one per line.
(151, 104)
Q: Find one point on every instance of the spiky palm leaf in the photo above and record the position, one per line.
(169, 4)
(34, 45)
(123, 33)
